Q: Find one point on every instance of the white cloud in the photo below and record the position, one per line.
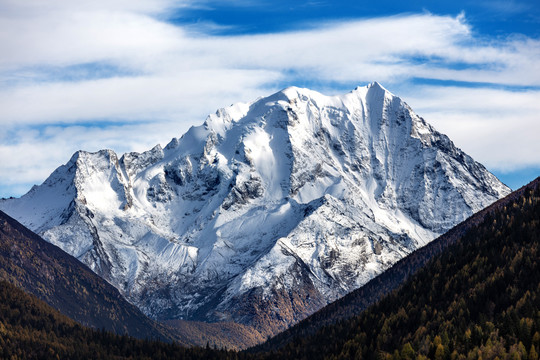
(184, 95)
(67, 37)
(175, 75)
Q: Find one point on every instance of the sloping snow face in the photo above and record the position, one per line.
(266, 212)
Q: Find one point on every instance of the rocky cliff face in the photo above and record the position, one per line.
(266, 212)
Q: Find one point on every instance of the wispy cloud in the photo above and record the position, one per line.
(69, 64)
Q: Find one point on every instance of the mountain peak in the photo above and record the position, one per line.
(292, 91)
(298, 93)
(293, 199)
(376, 85)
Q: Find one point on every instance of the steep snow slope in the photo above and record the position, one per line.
(267, 211)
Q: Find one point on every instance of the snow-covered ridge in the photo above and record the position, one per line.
(295, 193)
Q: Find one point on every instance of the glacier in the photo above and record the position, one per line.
(266, 212)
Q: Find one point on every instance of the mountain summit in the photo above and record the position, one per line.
(266, 212)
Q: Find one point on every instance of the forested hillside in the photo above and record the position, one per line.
(31, 329)
(478, 299)
(44, 270)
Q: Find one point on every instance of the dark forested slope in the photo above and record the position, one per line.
(31, 329)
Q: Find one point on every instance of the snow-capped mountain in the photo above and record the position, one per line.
(266, 212)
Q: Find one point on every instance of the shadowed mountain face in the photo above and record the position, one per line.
(42, 269)
(472, 293)
(265, 213)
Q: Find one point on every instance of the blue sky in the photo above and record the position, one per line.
(492, 18)
(127, 75)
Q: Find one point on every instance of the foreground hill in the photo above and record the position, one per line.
(69, 286)
(478, 299)
(266, 212)
(31, 329)
(46, 271)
